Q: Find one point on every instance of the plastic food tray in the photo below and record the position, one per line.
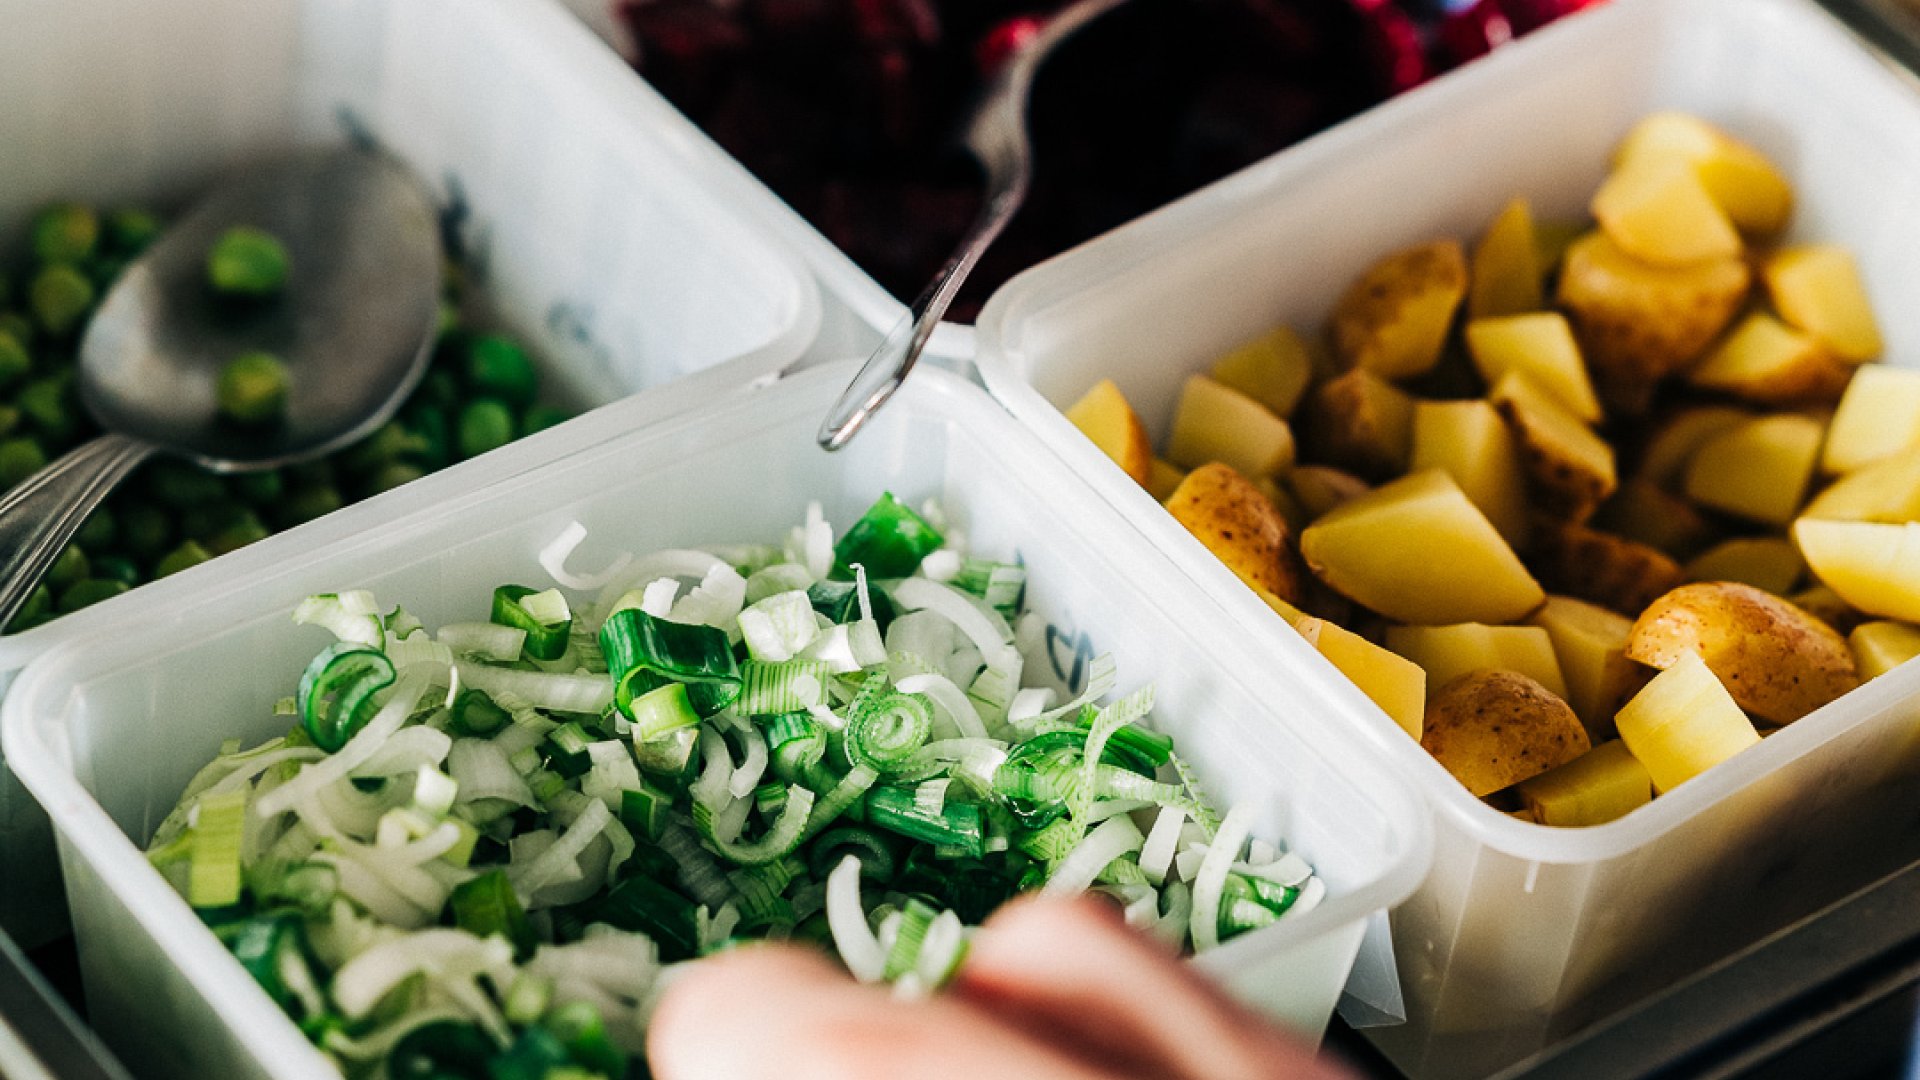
(590, 222)
(107, 727)
(1522, 933)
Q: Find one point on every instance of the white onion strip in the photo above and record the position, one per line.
(553, 559)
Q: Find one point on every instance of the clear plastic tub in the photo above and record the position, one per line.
(108, 725)
(591, 225)
(1523, 933)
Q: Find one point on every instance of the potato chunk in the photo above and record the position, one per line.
(1106, 419)
(1361, 423)
(1590, 644)
(1759, 470)
(1658, 211)
(1601, 785)
(1664, 458)
(1879, 647)
(1824, 604)
(1319, 488)
(1469, 442)
(1571, 468)
(1163, 478)
(1273, 369)
(1769, 563)
(1417, 551)
(1886, 490)
(1817, 288)
(1647, 514)
(1754, 195)
(1506, 266)
(1878, 417)
(1767, 361)
(1394, 319)
(1493, 729)
(1229, 515)
(1777, 661)
(1683, 723)
(1396, 684)
(1875, 568)
(1448, 652)
(1601, 568)
(1217, 423)
(1542, 346)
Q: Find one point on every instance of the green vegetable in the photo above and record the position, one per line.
(392, 475)
(243, 530)
(485, 424)
(130, 231)
(248, 262)
(475, 714)
(644, 653)
(263, 488)
(336, 693)
(98, 532)
(68, 568)
(90, 591)
(311, 502)
(486, 906)
(65, 233)
(60, 297)
(542, 417)
(49, 404)
(497, 367)
(253, 388)
(889, 540)
(14, 359)
(186, 555)
(116, 568)
(182, 486)
(145, 529)
(19, 459)
(543, 615)
(16, 326)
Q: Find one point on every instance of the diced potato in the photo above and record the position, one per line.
(1770, 563)
(1824, 604)
(1106, 419)
(1469, 442)
(1683, 723)
(1493, 729)
(1817, 288)
(1506, 266)
(1216, 423)
(1875, 568)
(1448, 652)
(1767, 361)
(1273, 369)
(1393, 319)
(1639, 323)
(1647, 514)
(1604, 784)
(1571, 468)
(1542, 346)
(1777, 661)
(1319, 488)
(1879, 647)
(1224, 511)
(1878, 417)
(1396, 684)
(1759, 470)
(1602, 568)
(1163, 478)
(1887, 489)
(1664, 459)
(1282, 501)
(1361, 423)
(1659, 211)
(1417, 551)
(1590, 644)
(1667, 135)
(1754, 195)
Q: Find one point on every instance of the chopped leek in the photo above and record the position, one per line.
(543, 616)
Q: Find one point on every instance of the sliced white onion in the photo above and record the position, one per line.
(1156, 855)
(406, 752)
(341, 763)
(950, 700)
(553, 559)
(1211, 880)
(859, 949)
(1113, 838)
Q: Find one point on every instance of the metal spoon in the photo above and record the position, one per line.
(354, 329)
(997, 137)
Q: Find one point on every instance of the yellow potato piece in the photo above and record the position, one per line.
(1660, 212)
(1541, 345)
(1361, 423)
(1273, 369)
(1886, 490)
(1163, 478)
(1683, 723)
(1754, 195)
(1394, 318)
(1817, 288)
(1879, 647)
(1824, 604)
(1448, 652)
(1878, 417)
(1770, 563)
(1759, 470)
(1875, 568)
(1225, 512)
(1648, 514)
(1778, 662)
(1394, 683)
(1319, 488)
(1590, 644)
(1572, 468)
(1418, 551)
(1469, 442)
(1493, 729)
(1506, 266)
(1106, 419)
(1604, 784)
(1767, 361)
(1664, 459)
(1216, 423)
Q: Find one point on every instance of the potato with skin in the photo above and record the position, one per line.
(1217, 423)
(1601, 568)
(1163, 478)
(1317, 489)
(1282, 501)
(1647, 514)
(1740, 179)
(1658, 211)
(1493, 729)
(1106, 419)
(1448, 652)
(1571, 468)
(1777, 661)
(1273, 369)
(1541, 345)
(1361, 423)
(1824, 604)
(1506, 266)
(1393, 320)
(1766, 361)
(1224, 511)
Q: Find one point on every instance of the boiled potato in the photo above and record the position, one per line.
(1361, 423)
(1683, 723)
(1769, 563)
(1777, 661)
(1541, 345)
(1224, 511)
(1767, 361)
(1601, 568)
(1272, 369)
(1590, 644)
(1647, 514)
(1879, 647)
(1601, 785)
(1417, 551)
(1658, 211)
(1216, 423)
(1664, 458)
(1571, 468)
(1875, 568)
(1887, 489)
(1817, 288)
(1824, 604)
(1393, 320)
(1639, 323)
(1878, 417)
(1397, 685)
(1469, 442)
(1506, 266)
(1163, 478)
(1759, 470)
(1319, 488)
(1754, 195)
(1282, 501)
(1106, 419)
(1493, 729)
(1448, 652)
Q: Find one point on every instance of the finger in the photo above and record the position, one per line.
(785, 1012)
(1073, 971)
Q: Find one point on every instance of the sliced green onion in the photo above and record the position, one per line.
(957, 825)
(567, 750)
(661, 712)
(859, 950)
(337, 691)
(487, 905)
(219, 825)
(778, 627)
(904, 957)
(475, 714)
(644, 810)
(487, 640)
(885, 730)
(644, 653)
(844, 794)
(645, 905)
(1108, 841)
(769, 689)
(1210, 882)
(781, 839)
(543, 616)
(839, 601)
(351, 616)
(889, 540)
(999, 584)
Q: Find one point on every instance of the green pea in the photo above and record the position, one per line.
(65, 233)
(203, 520)
(104, 270)
(438, 389)
(316, 473)
(9, 419)
(117, 568)
(435, 434)
(14, 360)
(253, 388)
(542, 417)
(187, 554)
(99, 531)
(180, 485)
(90, 591)
(145, 529)
(308, 503)
(498, 367)
(17, 326)
(23, 623)
(449, 319)
(38, 602)
(247, 262)
(69, 566)
(60, 296)
(485, 424)
(389, 441)
(260, 488)
(394, 474)
(19, 459)
(130, 230)
(49, 404)
(237, 535)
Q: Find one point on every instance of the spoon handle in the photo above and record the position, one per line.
(41, 514)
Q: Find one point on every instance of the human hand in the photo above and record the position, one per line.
(1051, 990)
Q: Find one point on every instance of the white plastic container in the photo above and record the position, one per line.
(1522, 933)
(591, 225)
(109, 725)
